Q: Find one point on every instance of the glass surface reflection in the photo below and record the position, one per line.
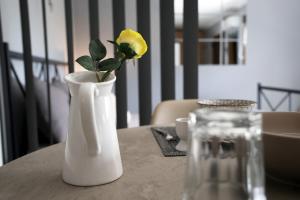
(225, 159)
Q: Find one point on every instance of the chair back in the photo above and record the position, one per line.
(166, 112)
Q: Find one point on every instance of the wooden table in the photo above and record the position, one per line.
(147, 175)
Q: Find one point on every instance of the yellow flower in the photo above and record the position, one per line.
(135, 40)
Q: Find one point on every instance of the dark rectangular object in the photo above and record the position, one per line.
(5, 102)
(144, 79)
(94, 19)
(167, 147)
(258, 96)
(121, 83)
(190, 41)
(47, 70)
(167, 42)
(6, 107)
(69, 32)
(32, 135)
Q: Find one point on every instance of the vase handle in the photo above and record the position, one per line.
(88, 118)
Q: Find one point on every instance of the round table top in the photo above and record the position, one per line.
(147, 174)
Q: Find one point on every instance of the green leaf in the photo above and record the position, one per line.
(105, 75)
(97, 50)
(86, 62)
(109, 64)
(113, 42)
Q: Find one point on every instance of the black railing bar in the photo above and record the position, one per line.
(17, 78)
(281, 101)
(118, 7)
(94, 19)
(290, 102)
(190, 54)
(5, 111)
(167, 39)
(47, 70)
(267, 100)
(280, 89)
(31, 114)
(258, 96)
(144, 70)
(6, 107)
(19, 56)
(69, 34)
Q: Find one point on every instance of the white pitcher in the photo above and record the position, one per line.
(92, 154)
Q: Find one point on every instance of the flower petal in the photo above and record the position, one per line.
(135, 41)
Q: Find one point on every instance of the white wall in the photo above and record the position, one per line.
(132, 70)
(273, 53)
(81, 29)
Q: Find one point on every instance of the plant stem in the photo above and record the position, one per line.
(97, 76)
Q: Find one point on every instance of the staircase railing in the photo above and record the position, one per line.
(261, 95)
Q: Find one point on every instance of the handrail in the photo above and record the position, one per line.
(288, 96)
(19, 56)
(279, 89)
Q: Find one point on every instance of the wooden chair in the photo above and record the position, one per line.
(281, 136)
(166, 112)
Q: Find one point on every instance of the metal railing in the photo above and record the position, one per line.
(287, 97)
(9, 140)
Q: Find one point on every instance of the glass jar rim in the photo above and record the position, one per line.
(224, 115)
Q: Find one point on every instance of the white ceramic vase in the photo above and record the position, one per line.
(92, 154)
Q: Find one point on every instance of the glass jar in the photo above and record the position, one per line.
(225, 156)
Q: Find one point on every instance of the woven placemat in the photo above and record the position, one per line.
(167, 146)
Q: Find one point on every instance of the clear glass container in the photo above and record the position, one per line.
(225, 156)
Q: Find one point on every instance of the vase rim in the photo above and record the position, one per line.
(75, 76)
